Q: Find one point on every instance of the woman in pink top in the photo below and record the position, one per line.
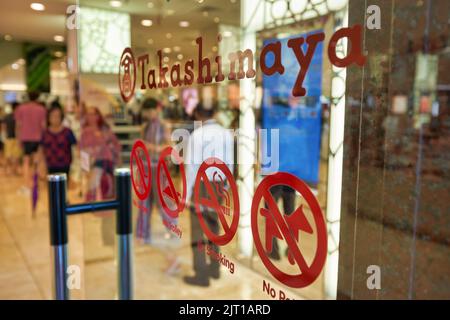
(101, 145)
(103, 150)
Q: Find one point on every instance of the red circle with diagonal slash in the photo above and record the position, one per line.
(162, 165)
(230, 231)
(308, 273)
(145, 178)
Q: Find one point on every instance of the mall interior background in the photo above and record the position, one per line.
(382, 173)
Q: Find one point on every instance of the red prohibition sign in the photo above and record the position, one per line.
(308, 273)
(143, 180)
(170, 190)
(213, 202)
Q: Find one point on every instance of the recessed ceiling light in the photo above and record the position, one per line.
(169, 35)
(214, 49)
(147, 22)
(227, 34)
(15, 66)
(115, 3)
(166, 59)
(58, 54)
(205, 13)
(176, 49)
(216, 20)
(149, 41)
(21, 61)
(179, 56)
(167, 50)
(184, 24)
(37, 6)
(150, 5)
(233, 1)
(58, 38)
(8, 37)
(170, 12)
(200, 1)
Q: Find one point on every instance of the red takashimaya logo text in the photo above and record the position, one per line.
(199, 70)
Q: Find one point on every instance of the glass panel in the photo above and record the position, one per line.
(278, 148)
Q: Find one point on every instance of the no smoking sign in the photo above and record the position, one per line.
(288, 227)
(224, 202)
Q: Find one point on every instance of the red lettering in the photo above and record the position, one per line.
(189, 74)
(175, 69)
(304, 60)
(151, 82)
(219, 76)
(355, 55)
(277, 66)
(162, 73)
(203, 62)
(141, 60)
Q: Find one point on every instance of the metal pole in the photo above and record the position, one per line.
(58, 234)
(124, 234)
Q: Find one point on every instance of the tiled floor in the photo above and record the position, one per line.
(25, 258)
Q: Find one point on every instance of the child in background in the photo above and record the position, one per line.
(57, 142)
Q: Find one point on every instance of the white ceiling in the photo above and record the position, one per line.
(18, 20)
(24, 24)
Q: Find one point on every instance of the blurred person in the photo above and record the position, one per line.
(204, 143)
(30, 124)
(156, 137)
(57, 142)
(12, 151)
(102, 149)
(74, 121)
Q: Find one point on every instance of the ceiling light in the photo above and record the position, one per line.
(8, 37)
(216, 19)
(15, 66)
(150, 41)
(167, 50)
(150, 5)
(166, 59)
(21, 61)
(169, 35)
(227, 34)
(205, 13)
(170, 12)
(180, 56)
(184, 24)
(200, 1)
(176, 49)
(58, 38)
(214, 49)
(37, 6)
(147, 22)
(58, 54)
(115, 3)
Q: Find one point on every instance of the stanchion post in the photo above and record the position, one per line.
(124, 234)
(58, 234)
